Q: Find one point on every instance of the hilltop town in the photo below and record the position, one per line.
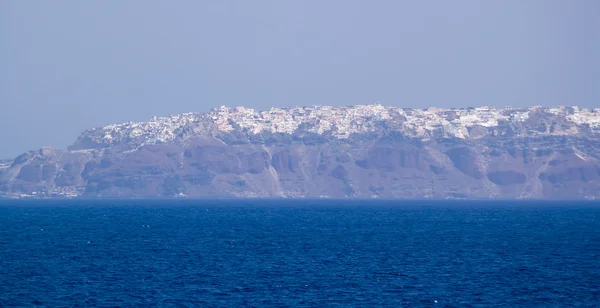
(341, 122)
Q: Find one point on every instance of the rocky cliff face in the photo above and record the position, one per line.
(354, 152)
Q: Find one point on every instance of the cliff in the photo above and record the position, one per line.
(339, 152)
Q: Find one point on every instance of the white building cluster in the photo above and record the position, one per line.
(318, 119)
(157, 130)
(585, 116)
(341, 122)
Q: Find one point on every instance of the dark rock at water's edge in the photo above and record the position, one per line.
(544, 156)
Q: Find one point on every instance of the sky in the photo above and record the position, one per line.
(66, 66)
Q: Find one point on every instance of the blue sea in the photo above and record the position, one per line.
(299, 253)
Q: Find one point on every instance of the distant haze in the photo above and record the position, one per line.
(69, 65)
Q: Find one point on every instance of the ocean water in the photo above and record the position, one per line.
(299, 253)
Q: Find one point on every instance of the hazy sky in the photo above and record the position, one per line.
(70, 65)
